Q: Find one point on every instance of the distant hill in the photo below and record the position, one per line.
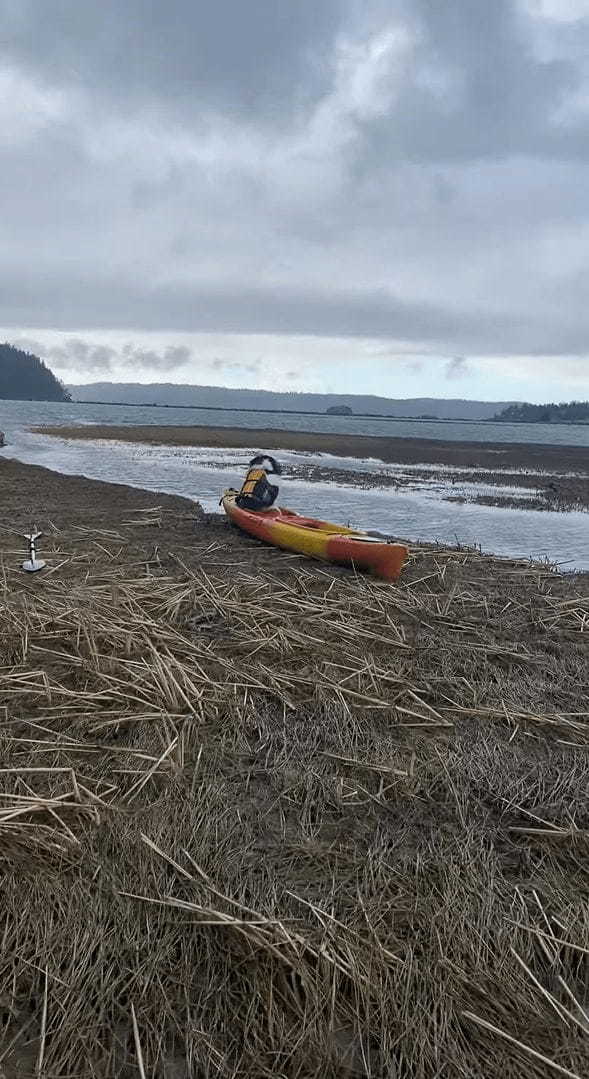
(566, 412)
(24, 377)
(165, 393)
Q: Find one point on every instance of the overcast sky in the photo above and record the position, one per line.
(368, 195)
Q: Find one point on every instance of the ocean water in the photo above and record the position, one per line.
(417, 512)
(32, 412)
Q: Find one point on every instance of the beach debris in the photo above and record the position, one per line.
(32, 564)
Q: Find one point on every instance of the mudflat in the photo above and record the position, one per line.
(560, 474)
(491, 455)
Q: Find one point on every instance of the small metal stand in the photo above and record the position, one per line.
(32, 564)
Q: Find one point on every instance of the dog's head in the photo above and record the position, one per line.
(265, 462)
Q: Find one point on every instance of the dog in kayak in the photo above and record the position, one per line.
(256, 492)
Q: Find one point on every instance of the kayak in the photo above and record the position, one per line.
(318, 539)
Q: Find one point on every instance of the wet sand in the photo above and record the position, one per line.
(559, 473)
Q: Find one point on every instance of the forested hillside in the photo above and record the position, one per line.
(24, 377)
(166, 393)
(565, 412)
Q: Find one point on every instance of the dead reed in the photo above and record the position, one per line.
(262, 818)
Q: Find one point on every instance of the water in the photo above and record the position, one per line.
(418, 513)
(20, 412)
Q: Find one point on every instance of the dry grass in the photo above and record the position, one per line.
(286, 822)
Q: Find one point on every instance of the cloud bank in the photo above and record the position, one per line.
(405, 171)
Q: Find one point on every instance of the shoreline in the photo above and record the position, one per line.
(62, 502)
(560, 474)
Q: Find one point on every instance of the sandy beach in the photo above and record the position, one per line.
(559, 473)
(231, 775)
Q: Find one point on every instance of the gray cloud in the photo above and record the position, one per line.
(478, 88)
(228, 366)
(227, 56)
(457, 367)
(76, 353)
(73, 352)
(409, 170)
(169, 359)
(324, 313)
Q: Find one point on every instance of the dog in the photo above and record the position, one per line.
(256, 492)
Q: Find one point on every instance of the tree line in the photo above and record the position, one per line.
(565, 412)
(24, 377)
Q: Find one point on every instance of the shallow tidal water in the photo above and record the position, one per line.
(417, 512)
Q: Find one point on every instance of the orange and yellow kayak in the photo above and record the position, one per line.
(319, 539)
